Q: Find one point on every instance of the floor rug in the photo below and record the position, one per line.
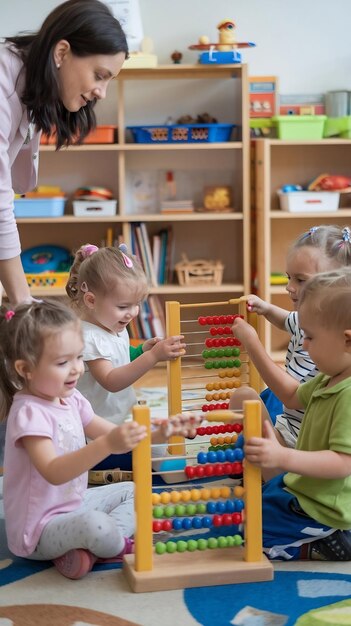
(35, 594)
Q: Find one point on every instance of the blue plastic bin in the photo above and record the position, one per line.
(39, 207)
(182, 133)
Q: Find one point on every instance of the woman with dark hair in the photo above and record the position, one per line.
(49, 79)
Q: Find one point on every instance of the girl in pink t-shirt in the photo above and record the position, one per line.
(49, 512)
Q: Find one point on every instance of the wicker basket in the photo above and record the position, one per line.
(199, 272)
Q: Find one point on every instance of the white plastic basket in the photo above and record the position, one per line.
(94, 208)
(308, 201)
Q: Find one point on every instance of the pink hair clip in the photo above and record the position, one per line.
(9, 315)
(84, 287)
(126, 259)
(89, 249)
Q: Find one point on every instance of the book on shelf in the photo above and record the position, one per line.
(150, 322)
(142, 249)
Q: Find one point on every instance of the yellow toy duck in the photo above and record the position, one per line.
(227, 38)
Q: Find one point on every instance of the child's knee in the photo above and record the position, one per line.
(240, 395)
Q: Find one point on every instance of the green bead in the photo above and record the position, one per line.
(160, 547)
(157, 511)
(238, 540)
(212, 542)
(169, 511)
(217, 364)
(205, 354)
(213, 353)
(222, 542)
(180, 510)
(171, 547)
(220, 352)
(202, 544)
(208, 365)
(192, 545)
(190, 509)
(230, 363)
(228, 352)
(201, 507)
(230, 541)
(182, 546)
(237, 363)
(236, 351)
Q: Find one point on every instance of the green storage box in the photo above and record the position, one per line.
(300, 127)
(338, 127)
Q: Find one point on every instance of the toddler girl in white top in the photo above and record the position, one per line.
(106, 286)
(49, 512)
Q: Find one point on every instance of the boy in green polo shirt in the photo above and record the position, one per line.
(307, 504)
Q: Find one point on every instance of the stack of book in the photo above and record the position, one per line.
(150, 321)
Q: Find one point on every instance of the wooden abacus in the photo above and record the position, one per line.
(214, 561)
(211, 344)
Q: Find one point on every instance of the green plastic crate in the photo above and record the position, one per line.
(296, 127)
(338, 127)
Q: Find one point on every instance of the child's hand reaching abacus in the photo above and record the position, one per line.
(182, 425)
(165, 349)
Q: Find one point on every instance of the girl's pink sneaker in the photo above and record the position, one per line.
(75, 563)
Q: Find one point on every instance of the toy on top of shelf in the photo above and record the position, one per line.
(176, 57)
(225, 50)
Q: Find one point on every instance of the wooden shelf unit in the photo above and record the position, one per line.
(225, 236)
(278, 163)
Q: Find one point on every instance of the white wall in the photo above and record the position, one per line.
(304, 42)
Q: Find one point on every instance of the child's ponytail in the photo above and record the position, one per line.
(8, 387)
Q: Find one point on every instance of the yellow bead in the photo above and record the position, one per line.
(156, 498)
(195, 494)
(165, 497)
(186, 495)
(209, 386)
(215, 493)
(239, 491)
(175, 496)
(225, 492)
(205, 494)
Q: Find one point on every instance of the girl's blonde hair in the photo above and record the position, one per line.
(329, 295)
(22, 336)
(101, 270)
(333, 242)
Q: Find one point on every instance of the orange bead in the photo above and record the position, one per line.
(209, 386)
(205, 494)
(195, 494)
(186, 495)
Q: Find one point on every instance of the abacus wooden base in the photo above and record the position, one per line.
(199, 569)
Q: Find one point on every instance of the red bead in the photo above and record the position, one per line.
(228, 330)
(167, 525)
(217, 520)
(199, 471)
(218, 469)
(217, 319)
(157, 526)
(202, 321)
(227, 468)
(237, 468)
(209, 470)
(237, 428)
(190, 471)
(204, 408)
(236, 518)
(231, 319)
(209, 319)
(201, 431)
(220, 330)
(208, 343)
(227, 519)
(213, 331)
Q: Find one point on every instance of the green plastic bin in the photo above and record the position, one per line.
(338, 127)
(300, 127)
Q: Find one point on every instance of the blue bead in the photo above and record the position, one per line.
(197, 522)
(202, 458)
(186, 523)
